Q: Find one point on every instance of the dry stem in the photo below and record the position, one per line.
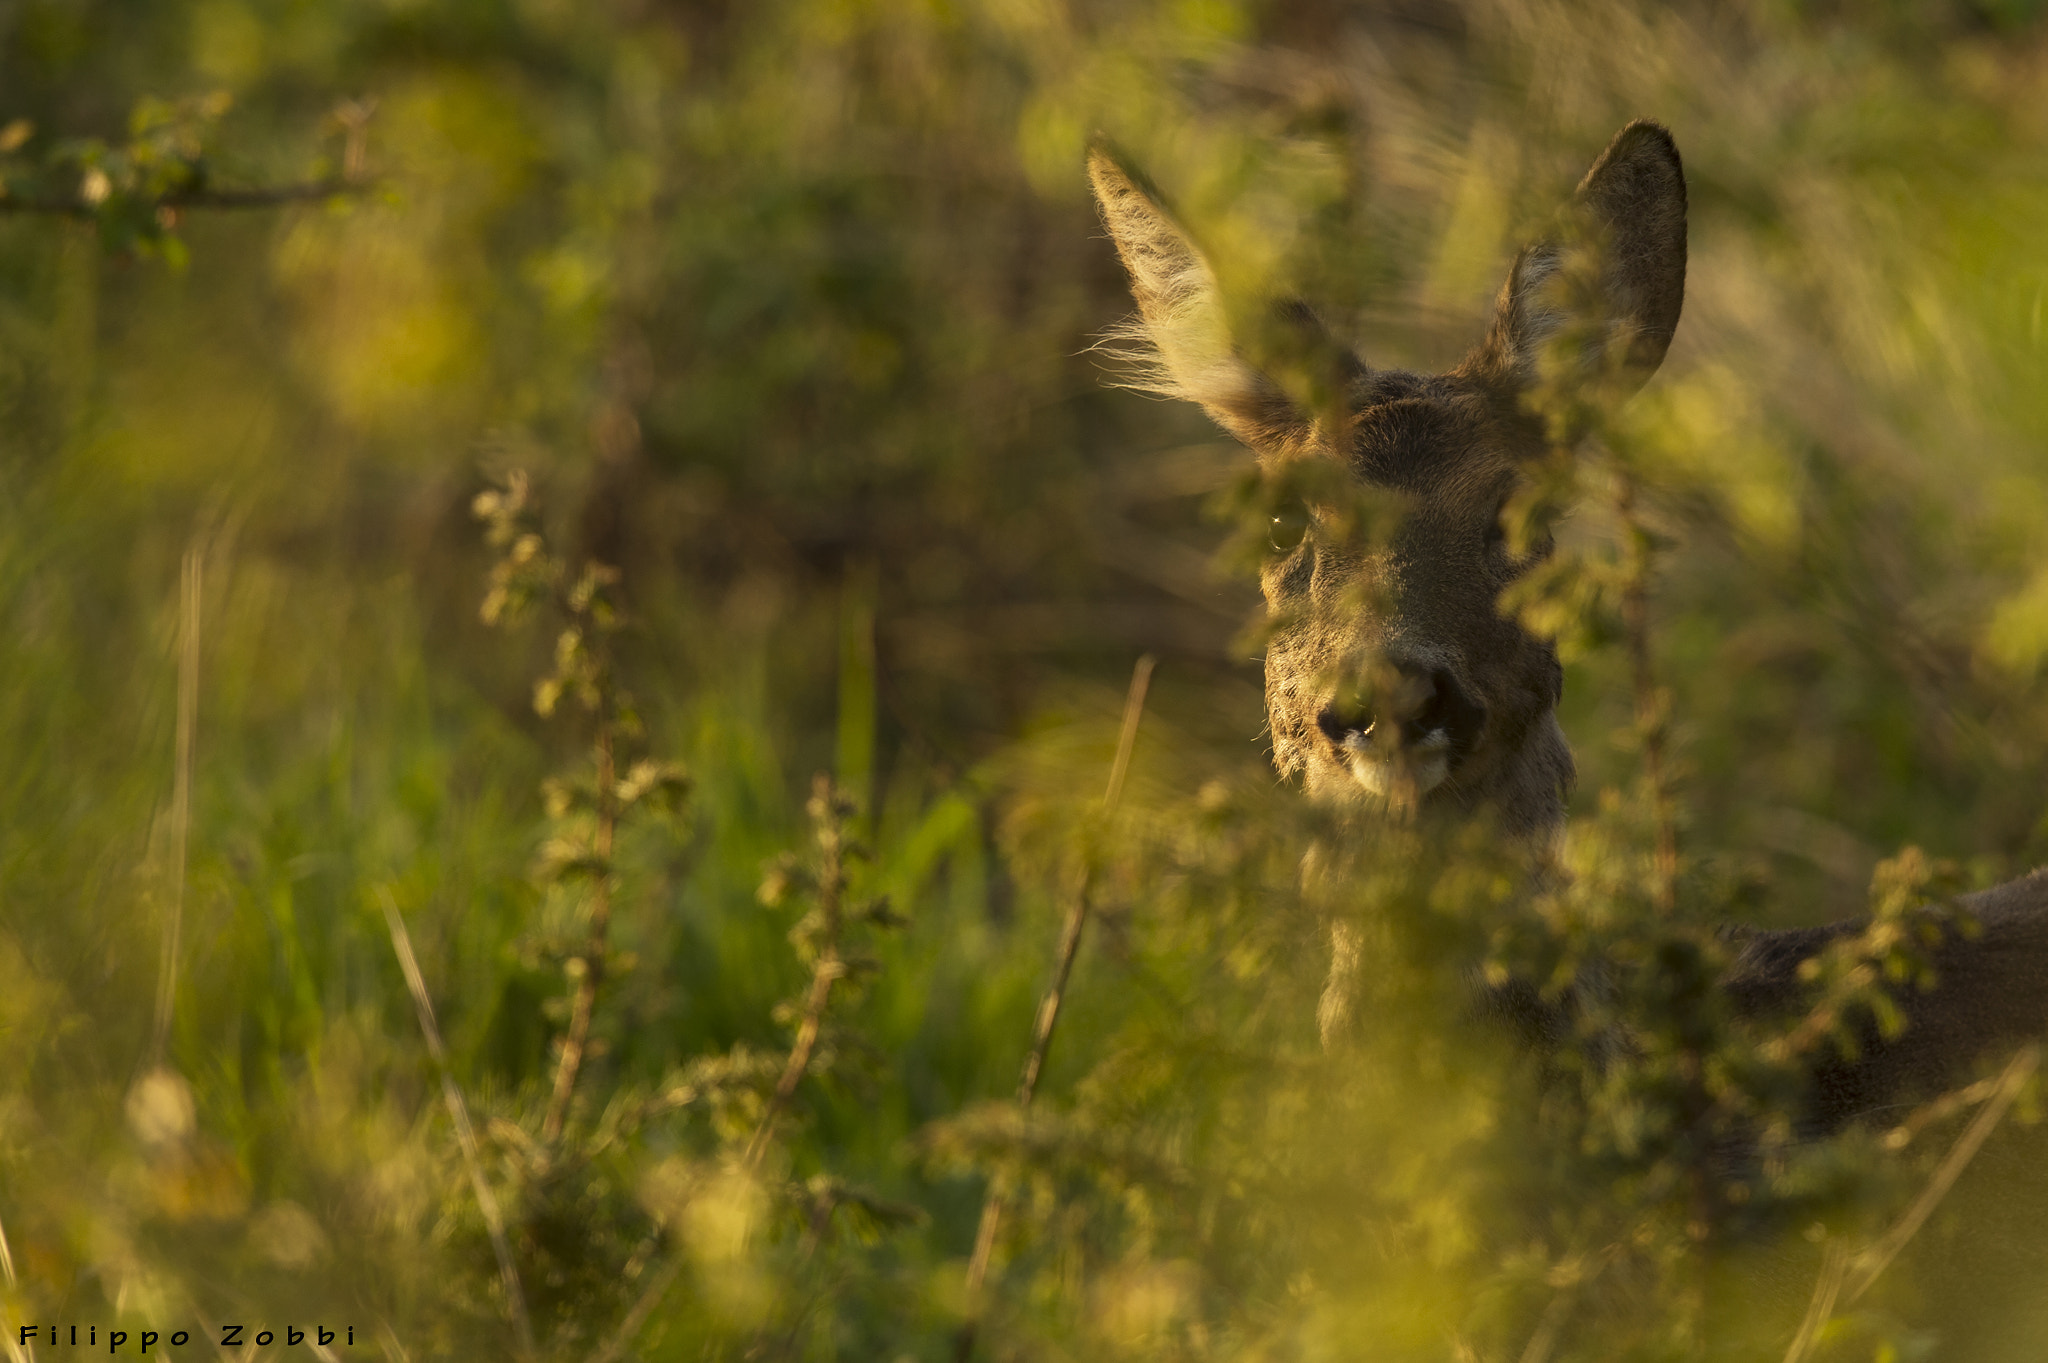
(190, 583)
(1549, 1326)
(1878, 1257)
(643, 1307)
(1049, 1011)
(1840, 1278)
(465, 1135)
(1834, 1263)
(14, 1341)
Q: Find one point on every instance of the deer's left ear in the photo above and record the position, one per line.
(1608, 290)
(1182, 343)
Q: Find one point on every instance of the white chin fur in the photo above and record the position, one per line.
(1426, 764)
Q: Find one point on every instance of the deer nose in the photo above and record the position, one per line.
(1425, 709)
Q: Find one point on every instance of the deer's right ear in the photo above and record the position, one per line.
(1182, 344)
(1607, 290)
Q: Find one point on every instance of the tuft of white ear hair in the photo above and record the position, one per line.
(1180, 344)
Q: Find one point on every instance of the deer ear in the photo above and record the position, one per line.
(1181, 343)
(1606, 291)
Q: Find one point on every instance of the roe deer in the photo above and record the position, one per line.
(1393, 675)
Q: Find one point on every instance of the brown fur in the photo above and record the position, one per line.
(1400, 655)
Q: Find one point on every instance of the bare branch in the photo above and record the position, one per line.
(178, 200)
(1834, 1263)
(1049, 1012)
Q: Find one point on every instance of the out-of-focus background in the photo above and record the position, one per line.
(786, 307)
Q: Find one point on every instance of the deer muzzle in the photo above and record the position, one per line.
(1420, 724)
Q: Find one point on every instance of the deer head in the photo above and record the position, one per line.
(1391, 672)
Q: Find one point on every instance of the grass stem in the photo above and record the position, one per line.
(190, 584)
(465, 1134)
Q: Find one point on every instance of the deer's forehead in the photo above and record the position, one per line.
(1440, 445)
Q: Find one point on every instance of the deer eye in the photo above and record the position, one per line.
(1286, 530)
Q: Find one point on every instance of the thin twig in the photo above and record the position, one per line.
(1840, 1278)
(1549, 1325)
(576, 1042)
(199, 1312)
(1652, 710)
(271, 196)
(1049, 1012)
(190, 585)
(1878, 1257)
(1574, 1275)
(353, 116)
(15, 1344)
(1939, 1110)
(388, 1338)
(815, 1226)
(465, 1135)
(1127, 737)
(1653, 726)
(631, 1323)
(1834, 1263)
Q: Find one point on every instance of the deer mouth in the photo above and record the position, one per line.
(1413, 744)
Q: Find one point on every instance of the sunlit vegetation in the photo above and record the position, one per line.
(570, 577)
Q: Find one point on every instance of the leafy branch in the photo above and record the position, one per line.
(137, 190)
(586, 812)
(818, 936)
(823, 937)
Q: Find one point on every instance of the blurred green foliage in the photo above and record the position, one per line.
(786, 307)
